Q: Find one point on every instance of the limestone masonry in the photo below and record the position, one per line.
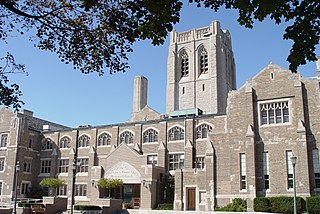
(219, 143)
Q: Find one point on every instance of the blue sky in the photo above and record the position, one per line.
(56, 92)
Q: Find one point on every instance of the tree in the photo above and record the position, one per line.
(109, 183)
(97, 35)
(52, 184)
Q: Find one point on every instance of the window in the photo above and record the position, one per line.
(152, 159)
(30, 144)
(62, 190)
(289, 170)
(4, 139)
(316, 167)
(274, 113)
(45, 166)
(184, 59)
(176, 133)
(82, 164)
(266, 170)
(2, 164)
(176, 161)
(243, 182)
(203, 61)
(1, 187)
(104, 139)
(63, 165)
(150, 136)
(80, 190)
(203, 87)
(202, 197)
(27, 165)
(47, 144)
(126, 137)
(83, 141)
(25, 188)
(203, 130)
(199, 163)
(64, 142)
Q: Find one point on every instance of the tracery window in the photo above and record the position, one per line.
(203, 130)
(274, 113)
(65, 142)
(126, 137)
(104, 139)
(203, 61)
(83, 141)
(176, 133)
(150, 136)
(184, 60)
(47, 144)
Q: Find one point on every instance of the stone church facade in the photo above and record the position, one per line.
(219, 143)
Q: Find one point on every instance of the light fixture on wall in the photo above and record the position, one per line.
(146, 184)
(94, 183)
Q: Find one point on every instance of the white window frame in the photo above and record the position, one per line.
(289, 154)
(24, 191)
(49, 167)
(153, 160)
(200, 162)
(176, 162)
(63, 190)
(316, 168)
(80, 190)
(65, 166)
(202, 197)
(4, 144)
(1, 187)
(266, 174)
(104, 139)
(28, 161)
(82, 168)
(260, 103)
(3, 164)
(243, 172)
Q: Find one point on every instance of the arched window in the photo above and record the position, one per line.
(203, 60)
(150, 136)
(184, 60)
(64, 142)
(83, 141)
(104, 139)
(176, 133)
(126, 137)
(47, 144)
(203, 130)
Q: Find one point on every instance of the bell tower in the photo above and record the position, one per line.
(200, 70)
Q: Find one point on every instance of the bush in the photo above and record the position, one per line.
(166, 206)
(261, 204)
(237, 205)
(86, 207)
(284, 204)
(313, 204)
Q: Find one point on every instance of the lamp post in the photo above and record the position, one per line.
(74, 167)
(294, 161)
(17, 169)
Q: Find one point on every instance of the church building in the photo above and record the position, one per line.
(218, 143)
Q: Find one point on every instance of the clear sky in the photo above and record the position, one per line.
(58, 93)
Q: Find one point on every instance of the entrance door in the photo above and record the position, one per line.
(191, 199)
(131, 195)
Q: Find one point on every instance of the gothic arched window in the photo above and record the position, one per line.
(47, 144)
(203, 61)
(126, 137)
(203, 130)
(64, 142)
(184, 60)
(104, 139)
(83, 141)
(176, 133)
(150, 136)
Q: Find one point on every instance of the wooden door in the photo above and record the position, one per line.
(191, 199)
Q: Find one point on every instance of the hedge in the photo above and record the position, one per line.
(165, 206)
(281, 204)
(313, 204)
(237, 205)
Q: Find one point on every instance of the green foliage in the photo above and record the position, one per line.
(237, 205)
(52, 183)
(86, 207)
(107, 183)
(261, 204)
(165, 206)
(281, 204)
(168, 188)
(313, 204)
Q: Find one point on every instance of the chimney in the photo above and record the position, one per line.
(140, 93)
(27, 112)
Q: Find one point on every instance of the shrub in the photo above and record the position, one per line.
(52, 183)
(261, 204)
(237, 205)
(165, 206)
(284, 204)
(313, 204)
